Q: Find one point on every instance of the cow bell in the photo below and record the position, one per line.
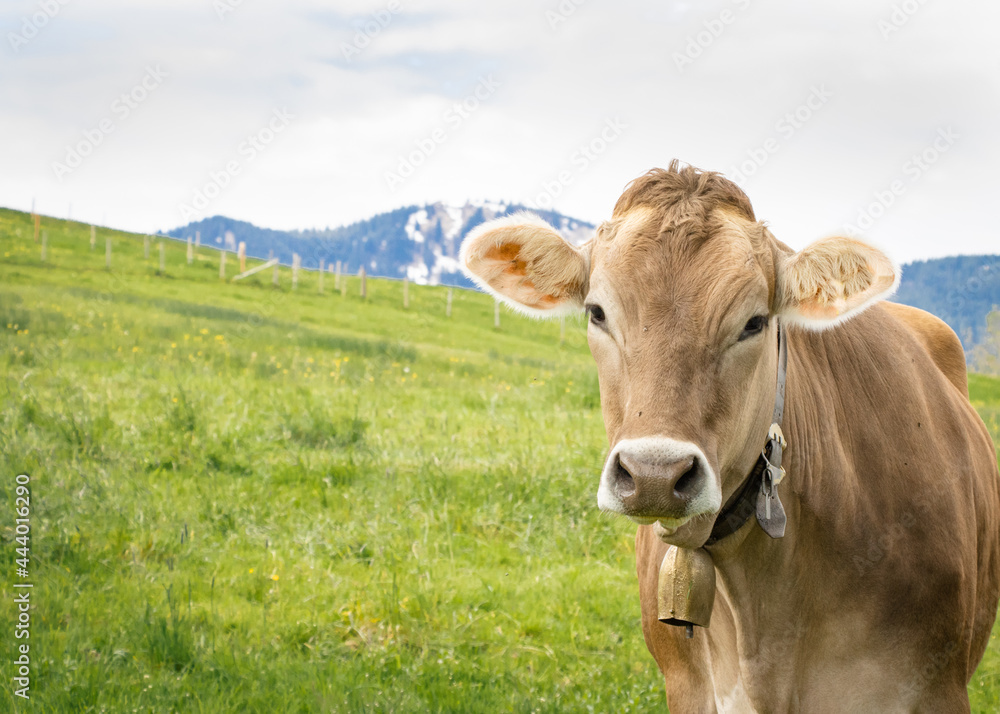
(686, 591)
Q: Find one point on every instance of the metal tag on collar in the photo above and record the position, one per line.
(770, 512)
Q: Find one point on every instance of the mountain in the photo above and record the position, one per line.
(418, 242)
(961, 290)
(422, 242)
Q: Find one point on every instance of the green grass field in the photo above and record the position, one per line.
(263, 500)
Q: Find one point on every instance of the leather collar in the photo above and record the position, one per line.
(741, 505)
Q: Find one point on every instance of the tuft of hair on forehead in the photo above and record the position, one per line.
(694, 190)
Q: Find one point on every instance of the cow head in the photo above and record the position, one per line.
(682, 287)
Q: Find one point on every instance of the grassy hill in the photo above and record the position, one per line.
(248, 498)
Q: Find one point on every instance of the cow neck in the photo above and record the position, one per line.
(758, 494)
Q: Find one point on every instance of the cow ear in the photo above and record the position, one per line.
(833, 280)
(524, 262)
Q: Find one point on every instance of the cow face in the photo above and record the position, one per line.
(682, 288)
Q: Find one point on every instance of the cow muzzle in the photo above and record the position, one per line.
(653, 479)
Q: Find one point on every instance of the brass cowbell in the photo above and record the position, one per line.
(686, 590)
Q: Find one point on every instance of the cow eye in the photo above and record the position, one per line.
(754, 325)
(596, 314)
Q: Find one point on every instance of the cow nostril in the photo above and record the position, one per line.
(624, 483)
(687, 481)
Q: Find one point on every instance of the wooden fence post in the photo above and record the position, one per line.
(107, 252)
(296, 262)
(190, 254)
(145, 247)
(496, 314)
(343, 285)
(197, 240)
(45, 244)
(274, 278)
(243, 256)
(322, 266)
(255, 270)
(406, 293)
(163, 259)
(447, 307)
(222, 264)
(336, 280)
(93, 237)
(364, 282)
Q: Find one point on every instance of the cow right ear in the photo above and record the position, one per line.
(524, 262)
(833, 280)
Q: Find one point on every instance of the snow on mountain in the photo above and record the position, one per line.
(450, 223)
(418, 218)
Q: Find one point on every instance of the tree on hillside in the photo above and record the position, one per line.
(986, 354)
(960, 290)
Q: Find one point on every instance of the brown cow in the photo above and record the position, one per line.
(881, 594)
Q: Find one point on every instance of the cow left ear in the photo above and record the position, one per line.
(831, 281)
(524, 262)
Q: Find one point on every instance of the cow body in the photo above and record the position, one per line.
(882, 593)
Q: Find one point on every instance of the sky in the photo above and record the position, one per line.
(872, 118)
